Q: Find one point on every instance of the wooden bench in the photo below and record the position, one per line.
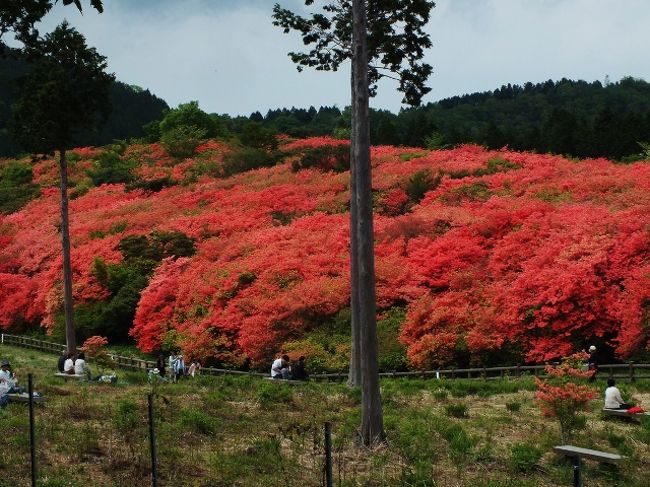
(577, 454)
(24, 397)
(622, 413)
(67, 377)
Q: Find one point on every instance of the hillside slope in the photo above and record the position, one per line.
(482, 256)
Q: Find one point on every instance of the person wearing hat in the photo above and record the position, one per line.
(8, 381)
(592, 362)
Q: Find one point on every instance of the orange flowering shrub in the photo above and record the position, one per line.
(563, 399)
(95, 348)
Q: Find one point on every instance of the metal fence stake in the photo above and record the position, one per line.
(152, 444)
(328, 454)
(32, 435)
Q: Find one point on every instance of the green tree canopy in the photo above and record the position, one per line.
(396, 41)
(65, 91)
(190, 115)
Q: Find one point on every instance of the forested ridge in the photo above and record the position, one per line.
(576, 118)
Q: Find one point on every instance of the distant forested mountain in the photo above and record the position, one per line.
(133, 107)
(569, 117)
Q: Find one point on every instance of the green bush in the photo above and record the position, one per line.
(478, 191)
(440, 394)
(248, 158)
(495, 165)
(111, 169)
(151, 185)
(392, 353)
(326, 158)
(198, 421)
(182, 141)
(257, 136)
(524, 457)
(421, 182)
(16, 188)
(127, 417)
(273, 394)
(457, 410)
(513, 407)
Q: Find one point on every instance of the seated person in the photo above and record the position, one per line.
(613, 399)
(61, 363)
(81, 367)
(8, 380)
(280, 368)
(68, 366)
(298, 371)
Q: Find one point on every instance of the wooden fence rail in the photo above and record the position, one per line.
(630, 370)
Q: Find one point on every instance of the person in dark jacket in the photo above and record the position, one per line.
(298, 371)
(160, 365)
(61, 363)
(592, 362)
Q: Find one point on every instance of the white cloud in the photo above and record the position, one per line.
(229, 56)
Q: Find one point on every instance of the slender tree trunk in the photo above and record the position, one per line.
(372, 429)
(354, 377)
(68, 306)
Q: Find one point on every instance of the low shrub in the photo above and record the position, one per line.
(247, 159)
(326, 158)
(513, 407)
(523, 457)
(270, 395)
(198, 421)
(457, 410)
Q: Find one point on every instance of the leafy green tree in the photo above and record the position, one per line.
(182, 141)
(381, 38)
(190, 115)
(259, 137)
(65, 91)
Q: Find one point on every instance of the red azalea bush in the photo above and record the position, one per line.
(534, 250)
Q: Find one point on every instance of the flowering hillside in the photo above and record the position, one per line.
(484, 252)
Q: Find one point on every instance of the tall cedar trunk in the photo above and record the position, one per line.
(354, 377)
(372, 428)
(70, 338)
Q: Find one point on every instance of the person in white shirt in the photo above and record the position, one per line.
(80, 366)
(68, 366)
(280, 368)
(613, 399)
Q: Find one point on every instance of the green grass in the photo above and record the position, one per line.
(245, 431)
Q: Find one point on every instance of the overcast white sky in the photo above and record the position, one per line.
(227, 55)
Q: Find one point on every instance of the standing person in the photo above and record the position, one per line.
(195, 368)
(173, 360)
(298, 371)
(592, 362)
(160, 365)
(180, 366)
(613, 399)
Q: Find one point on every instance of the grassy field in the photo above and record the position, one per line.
(226, 431)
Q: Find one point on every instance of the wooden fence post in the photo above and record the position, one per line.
(631, 365)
